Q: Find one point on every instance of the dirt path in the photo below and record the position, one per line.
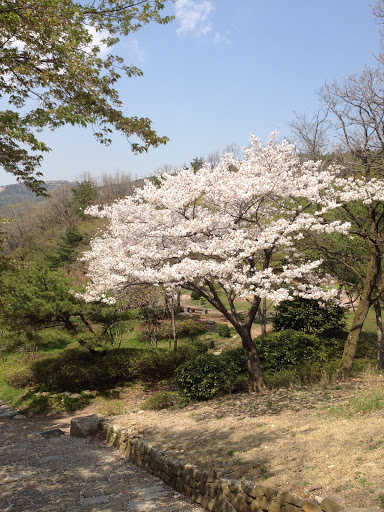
(67, 474)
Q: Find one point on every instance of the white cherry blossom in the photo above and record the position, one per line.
(217, 230)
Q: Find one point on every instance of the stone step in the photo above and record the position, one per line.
(7, 412)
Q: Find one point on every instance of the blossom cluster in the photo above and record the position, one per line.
(222, 225)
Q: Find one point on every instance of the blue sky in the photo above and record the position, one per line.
(221, 70)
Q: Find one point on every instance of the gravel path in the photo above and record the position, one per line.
(67, 474)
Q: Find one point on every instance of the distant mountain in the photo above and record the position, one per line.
(18, 193)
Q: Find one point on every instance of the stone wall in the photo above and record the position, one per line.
(209, 488)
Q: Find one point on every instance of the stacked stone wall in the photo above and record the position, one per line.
(209, 488)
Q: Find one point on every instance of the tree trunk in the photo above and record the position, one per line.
(256, 378)
(178, 302)
(353, 338)
(87, 324)
(380, 337)
(173, 323)
(263, 317)
(68, 324)
(370, 285)
(166, 308)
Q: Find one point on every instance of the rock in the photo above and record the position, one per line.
(89, 392)
(332, 504)
(287, 497)
(308, 506)
(239, 503)
(270, 482)
(274, 507)
(235, 485)
(84, 425)
(249, 488)
(19, 417)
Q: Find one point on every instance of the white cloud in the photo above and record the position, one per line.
(192, 16)
(97, 38)
(136, 50)
(221, 39)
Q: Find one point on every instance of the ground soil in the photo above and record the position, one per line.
(317, 442)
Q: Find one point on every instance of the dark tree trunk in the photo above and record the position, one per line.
(166, 308)
(178, 305)
(353, 338)
(173, 323)
(87, 324)
(263, 317)
(370, 285)
(256, 378)
(380, 337)
(69, 325)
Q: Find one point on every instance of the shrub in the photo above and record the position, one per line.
(236, 356)
(207, 376)
(20, 376)
(195, 295)
(223, 331)
(196, 347)
(112, 408)
(74, 370)
(155, 365)
(163, 400)
(307, 315)
(190, 327)
(282, 349)
(77, 369)
(307, 373)
(18, 372)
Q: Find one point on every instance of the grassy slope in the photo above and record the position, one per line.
(130, 339)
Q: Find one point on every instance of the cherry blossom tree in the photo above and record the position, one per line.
(227, 232)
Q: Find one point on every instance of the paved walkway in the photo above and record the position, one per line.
(67, 474)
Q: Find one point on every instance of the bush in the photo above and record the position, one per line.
(184, 328)
(307, 373)
(20, 376)
(307, 315)
(195, 347)
(236, 356)
(282, 349)
(155, 365)
(163, 400)
(17, 372)
(190, 327)
(195, 295)
(223, 331)
(207, 376)
(77, 369)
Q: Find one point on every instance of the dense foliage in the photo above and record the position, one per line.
(208, 376)
(77, 369)
(184, 328)
(223, 331)
(282, 349)
(310, 316)
(55, 72)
